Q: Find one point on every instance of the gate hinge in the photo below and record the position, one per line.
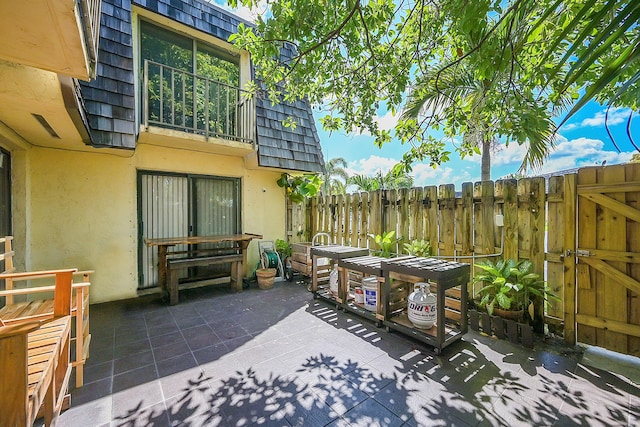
(579, 252)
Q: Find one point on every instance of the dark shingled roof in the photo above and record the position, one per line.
(110, 103)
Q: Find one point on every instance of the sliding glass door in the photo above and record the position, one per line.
(175, 205)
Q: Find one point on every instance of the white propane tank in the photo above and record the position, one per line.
(370, 287)
(421, 306)
(333, 280)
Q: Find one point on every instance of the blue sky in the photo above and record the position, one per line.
(582, 141)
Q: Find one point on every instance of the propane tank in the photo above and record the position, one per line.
(421, 306)
(333, 280)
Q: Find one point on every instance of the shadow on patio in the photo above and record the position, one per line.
(280, 358)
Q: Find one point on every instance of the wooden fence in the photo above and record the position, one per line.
(509, 218)
(580, 230)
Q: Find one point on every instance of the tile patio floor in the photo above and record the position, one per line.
(281, 358)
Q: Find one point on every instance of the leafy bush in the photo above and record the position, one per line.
(386, 243)
(418, 248)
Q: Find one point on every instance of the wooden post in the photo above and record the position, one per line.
(586, 276)
(447, 200)
(431, 218)
(347, 220)
(340, 218)
(403, 219)
(555, 244)
(365, 221)
(537, 209)
(465, 238)
(510, 213)
(569, 264)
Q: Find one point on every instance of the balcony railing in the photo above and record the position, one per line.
(90, 17)
(187, 102)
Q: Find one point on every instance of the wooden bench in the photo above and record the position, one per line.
(38, 307)
(176, 264)
(35, 358)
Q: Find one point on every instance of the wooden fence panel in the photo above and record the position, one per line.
(417, 214)
(612, 298)
(430, 214)
(403, 218)
(484, 220)
(524, 218)
(633, 239)
(341, 219)
(587, 275)
(510, 218)
(555, 244)
(363, 240)
(464, 229)
(447, 202)
(569, 263)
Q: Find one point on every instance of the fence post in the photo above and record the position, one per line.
(570, 218)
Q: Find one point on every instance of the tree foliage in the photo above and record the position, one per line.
(356, 58)
(335, 176)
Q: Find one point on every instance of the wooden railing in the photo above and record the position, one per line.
(89, 11)
(188, 102)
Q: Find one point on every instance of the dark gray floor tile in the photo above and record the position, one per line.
(134, 378)
(132, 362)
(167, 339)
(211, 353)
(92, 391)
(176, 364)
(200, 337)
(131, 348)
(189, 322)
(169, 351)
(156, 331)
(98, 372)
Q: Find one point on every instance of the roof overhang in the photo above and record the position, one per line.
(54, 35)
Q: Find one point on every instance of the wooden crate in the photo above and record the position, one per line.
(301, 257)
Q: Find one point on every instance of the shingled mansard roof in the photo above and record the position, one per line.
(110, 98)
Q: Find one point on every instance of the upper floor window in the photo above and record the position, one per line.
(189, 85)
(180, 52)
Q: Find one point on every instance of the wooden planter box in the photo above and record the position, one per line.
(301, 257)
(501, 328)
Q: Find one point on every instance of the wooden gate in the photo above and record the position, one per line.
(607, 258)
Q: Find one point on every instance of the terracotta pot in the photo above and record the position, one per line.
(266, 277)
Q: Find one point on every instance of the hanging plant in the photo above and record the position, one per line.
(299, 187)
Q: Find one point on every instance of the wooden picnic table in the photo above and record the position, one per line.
(240, 244)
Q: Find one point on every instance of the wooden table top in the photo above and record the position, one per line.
(193, 240)
(338, 251)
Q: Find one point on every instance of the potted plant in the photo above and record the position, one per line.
(510, 288)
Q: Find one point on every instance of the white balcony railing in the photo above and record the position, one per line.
(187, 102)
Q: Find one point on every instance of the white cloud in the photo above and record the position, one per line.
(371, 165)
(386, 122)
(616, 116)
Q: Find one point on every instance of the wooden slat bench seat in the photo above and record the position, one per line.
(176, 264)
(35, 359)
(40, 307)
